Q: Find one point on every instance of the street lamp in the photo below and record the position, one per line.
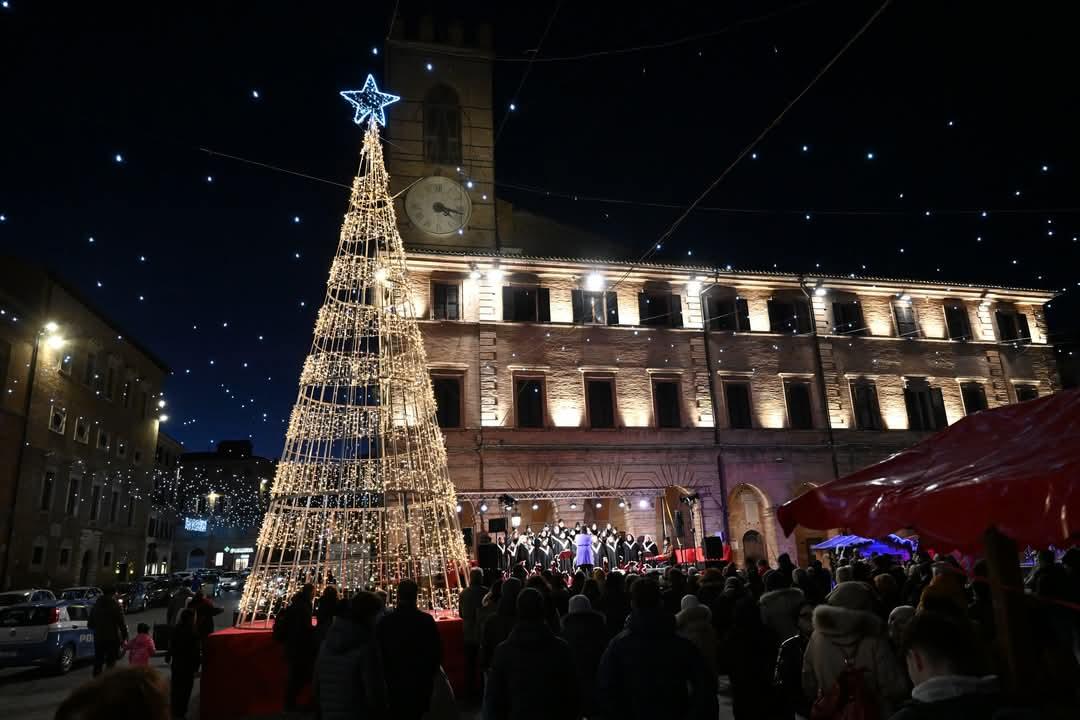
(50, 331)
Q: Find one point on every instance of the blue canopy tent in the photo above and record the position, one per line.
(890, 545)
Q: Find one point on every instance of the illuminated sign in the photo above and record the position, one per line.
(239, 550)
(195, 524)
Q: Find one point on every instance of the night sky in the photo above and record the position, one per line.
(939, 112)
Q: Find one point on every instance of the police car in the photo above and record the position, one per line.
(52, 634)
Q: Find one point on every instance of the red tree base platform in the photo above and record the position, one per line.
(244, 670)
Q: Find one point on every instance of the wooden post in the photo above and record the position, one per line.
(1018, 660)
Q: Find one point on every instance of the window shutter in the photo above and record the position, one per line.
(804, 321)
(508, 303)
(675, 310)
(742, 313)
(612, 302)
(452, 304)
(1006, 323)
(1024, 331)
(577, 301)
(937, 406)
(775, 322)
(438, 304)
(643, 309)
(873, 408)
(913, 414)
(543, 305)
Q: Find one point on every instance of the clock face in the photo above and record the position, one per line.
(438, 206)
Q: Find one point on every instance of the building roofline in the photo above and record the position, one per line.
(708, 272)
(90, 305)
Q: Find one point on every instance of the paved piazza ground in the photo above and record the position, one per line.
(33, 694)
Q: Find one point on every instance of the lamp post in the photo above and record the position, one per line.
(50, 332)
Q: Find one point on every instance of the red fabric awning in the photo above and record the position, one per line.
(1015, 467)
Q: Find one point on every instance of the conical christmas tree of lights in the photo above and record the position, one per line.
(362, 497)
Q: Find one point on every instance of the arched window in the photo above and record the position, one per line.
(442, 126)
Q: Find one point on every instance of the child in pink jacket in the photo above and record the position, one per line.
(141, 649)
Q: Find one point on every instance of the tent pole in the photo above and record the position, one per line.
(1018, 661)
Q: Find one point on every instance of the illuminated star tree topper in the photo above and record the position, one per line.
(369, 101)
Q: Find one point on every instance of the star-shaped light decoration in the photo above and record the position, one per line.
(369, 101)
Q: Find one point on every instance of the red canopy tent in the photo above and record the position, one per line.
(1016, 468)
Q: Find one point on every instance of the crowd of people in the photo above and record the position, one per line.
(876, 638)
(190, 617)
(872, 639)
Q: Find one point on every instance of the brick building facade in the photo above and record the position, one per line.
(600, 390)
(581, 407)
(78, 430)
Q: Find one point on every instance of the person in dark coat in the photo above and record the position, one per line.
(560, 596)
(185, 654)
(585, 631)
(205, 610)
(674, 594)
(107, 622)
(752, 649)
(532, 659)
(299, 638)
(688, 690)
(324, 614)
(789, 661)
(349, 680)
(945, 665)
(411, 653)
(469, 604)
(497, 627)
(615, 603)
(177, 603)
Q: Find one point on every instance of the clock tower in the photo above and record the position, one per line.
(440, 140)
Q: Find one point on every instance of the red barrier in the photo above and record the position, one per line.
(244, 670)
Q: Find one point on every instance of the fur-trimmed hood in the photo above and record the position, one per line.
(693, 615)
(846, 626)
(778, 609)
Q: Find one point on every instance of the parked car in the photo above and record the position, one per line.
(231, 581)
(31, 595)
(158, 593)
(132, 596)
(51, 634)
(84, 594)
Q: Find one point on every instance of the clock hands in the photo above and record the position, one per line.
(440, 208)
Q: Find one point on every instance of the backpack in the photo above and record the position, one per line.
(848, 698)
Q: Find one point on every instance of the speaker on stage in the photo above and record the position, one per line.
(488, 556)
(714, 548)
(680, 527)
(467, 535)
(497, 525)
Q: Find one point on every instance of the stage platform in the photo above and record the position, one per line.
(243, 671)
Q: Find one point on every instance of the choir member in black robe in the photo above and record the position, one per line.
(557, 545)
(648, 547)
(629, 550)
(566, 543)
(537, 556)
(607, 551)
(521, 552)
(501, 545)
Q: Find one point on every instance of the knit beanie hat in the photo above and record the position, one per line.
(579, 604)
